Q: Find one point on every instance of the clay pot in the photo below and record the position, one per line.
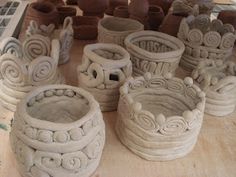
(138, 10)
(85, 27)
(155, 17)
(170, 24)
(65, 12)
(43, 13)
(164, 4)
(71, 2)
(57, 3)
(121, 11)
(115, 3)
(93, 7)
(228, 16)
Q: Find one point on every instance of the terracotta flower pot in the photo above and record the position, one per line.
(164, 4)
(155, 17)
(138, 10)
(71, 2)
(65, 12)
(57, 3)
(115, 3)
(171, 23)
(93, 7)
(121, 11)
(228, 16)
(85, 27)
(43, 13)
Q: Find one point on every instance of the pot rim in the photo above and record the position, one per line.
(35, 122)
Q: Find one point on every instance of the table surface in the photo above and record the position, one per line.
(213, 156)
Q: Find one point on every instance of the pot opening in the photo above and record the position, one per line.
(66, 108)
(108, 54)
(122, 8)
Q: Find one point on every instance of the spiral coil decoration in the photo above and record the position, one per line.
(41, 70)
(157, 83)
(145, 120)
(12, 46)
(212, 39)
(175, 86)
(173, 126)
(227, 41)
(74, 161)
(202, 22)
(36, 45)
(13, 71)
(195, 36)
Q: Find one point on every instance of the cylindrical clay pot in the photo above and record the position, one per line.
(65, 12)
(58, 131)
(155, 17)
(115, 3)
(93, 7)
(103, 70)
(164, 4)
(121, 11)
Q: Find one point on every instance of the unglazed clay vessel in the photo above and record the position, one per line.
(205, 39)
(93, 7)
(218, 80)
(115, 3)
(159, 118)
(64, 35)
(228, 16)
(103, 70)
(121, 11)
(85, 27)
(58, 131)
(138, 10)
(164, 4)
(114, 29)
(155, 17)
(154, 52)
(185, 7)
(65, 12)
(25, 66)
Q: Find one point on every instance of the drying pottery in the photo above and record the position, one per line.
(138, 10)
(228, 16)
(114, 29)
(115, 3)
(44, 13)
(103, 70)
(93, 7)
(164, 4)
(185, 7)
(159, 118)
(154, 52)
(170, 24)
(65, 12)
(25, 66)
(85, 27)
(205, 39)
(121, 11)
(218, 80)
(71, 2)
(155, 17)
(64, 35)
(58, 131)
(57, 3)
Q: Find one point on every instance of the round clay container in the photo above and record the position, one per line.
(121, 11)
(85, 27)
(155, 17)
(65, 12)
(113, 4)
(58, 130)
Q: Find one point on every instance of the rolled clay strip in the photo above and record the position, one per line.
(12, 46)
(195, 36)
(212, 39)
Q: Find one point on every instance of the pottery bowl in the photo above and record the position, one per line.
(85, 27)
(159, 118)
(218, 80)
(103, 70)
(114, 29)
(154, 52)
(58, 130)
(205, 39)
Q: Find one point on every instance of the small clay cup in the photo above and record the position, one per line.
(71, 2)
(113, 4)
(85, 27)
(228, 16)
(65, 12)
(155, 17)
(121, 11)
(164, 4)
(171, 22)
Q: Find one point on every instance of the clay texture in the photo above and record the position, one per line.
(218, 80)
(138, 10)
(205, 39)
(154, 52)
(115, 3)
(64, 35)
(26, 65)
(114, 29)
(103, 70)
(159, 118)
(58, 131)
